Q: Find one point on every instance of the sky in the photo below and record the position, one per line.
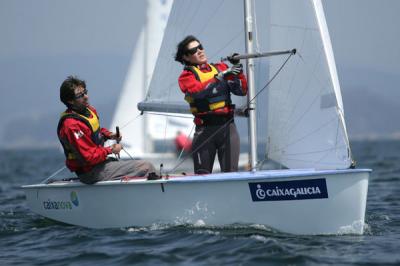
(43, 41)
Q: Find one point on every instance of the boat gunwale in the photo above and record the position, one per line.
(218, 177)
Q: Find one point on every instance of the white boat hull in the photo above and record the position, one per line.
(281, 199)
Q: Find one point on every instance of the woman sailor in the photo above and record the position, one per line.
(207, 88)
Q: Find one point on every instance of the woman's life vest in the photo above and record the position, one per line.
(215, 96)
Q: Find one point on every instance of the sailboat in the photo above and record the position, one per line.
(294, 106)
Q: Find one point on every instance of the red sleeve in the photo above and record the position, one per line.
(105, 132)
(79, 136)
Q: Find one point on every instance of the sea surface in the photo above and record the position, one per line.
(29, 239)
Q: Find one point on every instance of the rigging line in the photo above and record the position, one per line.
(296, 67)
(269, 82)
(192, 15)
(170, 115)
(200, 32)
(290, 87)
(130, 121)
(165, 133)
(54, 174)
(307, 135)
(239, 34)
(202, 144)
(281, 101)
(339, 111)
(313, 152)
(324, 153)
(171, 65)
(307, 161)
(166, 126)
(266, 85)
(127, 153)
(293, 27)
(323, 156)
(179, 20)
(229, 121)
(317, 78)
(260, 163)
(305, 88)
(181, 152)
(314, 100)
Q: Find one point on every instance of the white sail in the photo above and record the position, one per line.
(125, 113)
(220, 37)
(305, 122)
(305, 112)
(140, 132)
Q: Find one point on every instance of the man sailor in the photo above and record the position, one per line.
(82, 139)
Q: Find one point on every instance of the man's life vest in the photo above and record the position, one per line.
(214, 97)
(92, 122)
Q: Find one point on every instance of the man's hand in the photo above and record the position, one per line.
(114, 136)
(116, 148)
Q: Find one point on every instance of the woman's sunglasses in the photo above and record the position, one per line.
(193, 50)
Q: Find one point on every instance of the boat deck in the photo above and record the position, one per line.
(218, 177)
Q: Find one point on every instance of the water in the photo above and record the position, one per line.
(28, 239)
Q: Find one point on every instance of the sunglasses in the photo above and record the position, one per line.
(193, 50)
(81, 95)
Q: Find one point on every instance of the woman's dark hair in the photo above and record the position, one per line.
(181, 48)
(67, 89)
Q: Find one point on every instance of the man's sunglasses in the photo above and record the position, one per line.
(81, 95)
(193, 50)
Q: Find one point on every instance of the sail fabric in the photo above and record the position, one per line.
(139, 131)
(305, 111)
(300, 113)
(207, 20)
(126, 115)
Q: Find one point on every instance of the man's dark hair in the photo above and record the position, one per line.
(181, 48)
(67, 89)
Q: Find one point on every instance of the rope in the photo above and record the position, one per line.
(130, 121)
(54, 174)
(207, 140)
(269, 82)
(180, 154)
(230, 120)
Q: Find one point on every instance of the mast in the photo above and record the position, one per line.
(248, 24)
(148, 145)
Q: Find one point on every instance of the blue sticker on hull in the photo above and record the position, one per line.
(289, 190)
